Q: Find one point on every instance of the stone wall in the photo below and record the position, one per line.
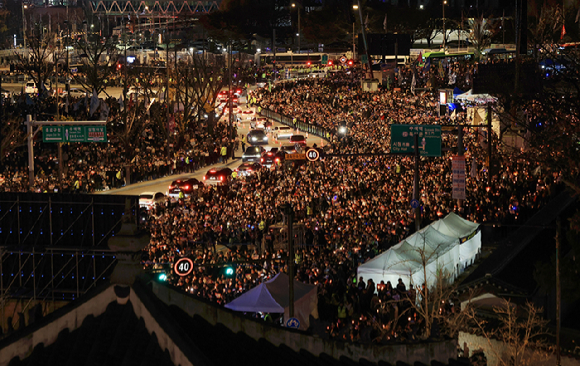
(423, 352)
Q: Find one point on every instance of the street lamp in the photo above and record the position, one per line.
(298, 34)
(443, 7)
(354, 7)
(24, 24)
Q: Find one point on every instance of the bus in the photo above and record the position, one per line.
(438, 56)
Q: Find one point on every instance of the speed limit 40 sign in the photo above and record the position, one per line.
(183, 267)
(312, 154)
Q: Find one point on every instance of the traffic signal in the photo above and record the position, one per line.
(229, 271)
(308, 63)
(162, 277)
(330, 63)
(350, 62)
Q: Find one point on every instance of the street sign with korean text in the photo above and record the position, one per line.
(295, 156)
(74, 134)
(324, 59)
(403, 139)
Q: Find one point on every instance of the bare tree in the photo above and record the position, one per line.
(12, 137)
(546, 29)
(38, 63)
(518, 338)
(481, 31)
(97, 55)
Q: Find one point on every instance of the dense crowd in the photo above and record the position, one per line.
(352, 208)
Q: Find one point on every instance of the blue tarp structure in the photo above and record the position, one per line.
(457, 91)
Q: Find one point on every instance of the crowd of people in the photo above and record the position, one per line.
(352, 208)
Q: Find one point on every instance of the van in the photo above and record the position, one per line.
(317, 74)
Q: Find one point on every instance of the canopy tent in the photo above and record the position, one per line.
(467, 232)
(476, 98)
(273, 297)
(442, 247)
(457, 91)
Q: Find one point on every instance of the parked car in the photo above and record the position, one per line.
(283, 132)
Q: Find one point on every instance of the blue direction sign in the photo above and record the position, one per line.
(293, 323)
(403, 139)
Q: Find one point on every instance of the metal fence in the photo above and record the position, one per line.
(299, 125)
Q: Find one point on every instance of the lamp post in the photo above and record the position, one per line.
(24, 25)
(356, 6)
(443, 3)
(298, 34)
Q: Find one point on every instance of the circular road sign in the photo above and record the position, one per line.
(183, 267)
(312, 154)
(293, 323)
(414, 203)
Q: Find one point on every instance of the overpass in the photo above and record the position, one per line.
(158, 9)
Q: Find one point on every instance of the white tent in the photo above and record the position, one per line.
(468, 234)
(476, 98)
(442, 247)
(273, 297)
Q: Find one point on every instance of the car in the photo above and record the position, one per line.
(77, 93)
(298, 140)
(289, 149)
(31, 88)
(149, 199)
(257, 137)
(245, 169)
(252, 154)
(270, 157)
(248, 113)
(317, 74)
(283, 132)
(261, 122)
(218, 176)
(187, 186)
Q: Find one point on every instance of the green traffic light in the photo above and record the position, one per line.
(229, 271)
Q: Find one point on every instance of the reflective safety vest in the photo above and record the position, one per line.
(262, 225)
(341, 312)
(187, 160)
(77, 184)
(224, 151)
(181, 195)
(398, 169)
(234, 174)
(118, 175)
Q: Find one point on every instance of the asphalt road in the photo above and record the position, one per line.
(161, 184)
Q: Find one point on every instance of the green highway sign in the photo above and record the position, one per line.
(324, 59)
(74, 134)
(403, 140)
(364, 59)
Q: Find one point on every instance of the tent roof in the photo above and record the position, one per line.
(431, 240)
(271, 296)
(479, 98)
(257, 299)
(455, 226)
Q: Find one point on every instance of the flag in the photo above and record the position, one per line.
(563, 32)
(420, 58)
(367, 21)
(121, 104)
(413, 84)
(94, 103)
(385, 23)
(577, 16)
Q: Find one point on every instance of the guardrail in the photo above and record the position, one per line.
(299, 125)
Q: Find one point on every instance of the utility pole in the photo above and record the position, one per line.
(290, 218)
(274, 51)
(444, 32)
(489, 139)
(558, 290)
(362, 26)
(416, 184)
(167, 91)
(230, 96)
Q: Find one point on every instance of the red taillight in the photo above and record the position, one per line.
(212, 171)
(170, 187)
(204, 177)
(261, 160)
(277, 159)
(186, 187)
(221, 177)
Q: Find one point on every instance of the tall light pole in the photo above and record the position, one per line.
(443, 3)
(298, 34)
(24, 25)
(362, 26)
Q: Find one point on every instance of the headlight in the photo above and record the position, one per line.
(254, 139)
(265, 138)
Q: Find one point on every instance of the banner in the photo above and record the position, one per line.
(458, 167)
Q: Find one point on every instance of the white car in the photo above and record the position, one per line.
(283, 132)
(77, 93)
(31, 88)
(150, 199)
